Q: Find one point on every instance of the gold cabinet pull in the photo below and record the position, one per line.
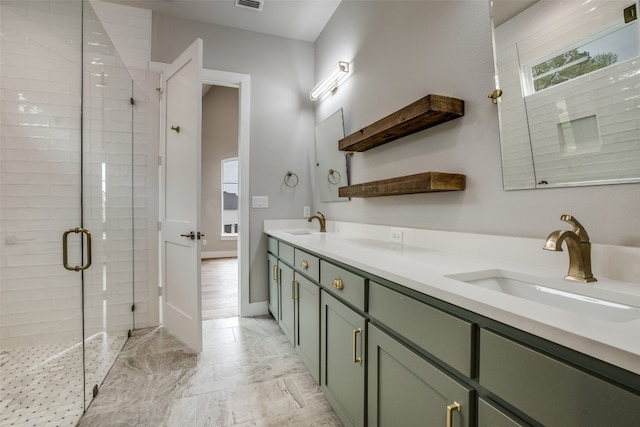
(304, 264)
(65, 249)
(455, 406)
(275, 273)
(293, 289)
(356, 359)
(337, 283)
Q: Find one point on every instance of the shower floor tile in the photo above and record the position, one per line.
(42, 385)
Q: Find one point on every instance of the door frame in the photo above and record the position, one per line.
(243, 83)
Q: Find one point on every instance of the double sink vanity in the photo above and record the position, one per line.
(454, 329)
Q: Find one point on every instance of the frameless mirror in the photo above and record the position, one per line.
(331, 163)
(570, 78)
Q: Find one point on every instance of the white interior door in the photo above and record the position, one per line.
(180, 181)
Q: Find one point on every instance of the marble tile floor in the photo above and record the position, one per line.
(248, 374)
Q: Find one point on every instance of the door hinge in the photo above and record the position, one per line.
(132, 101)
(133, 307)
(159, 89)
(159, 226)
(159, 291)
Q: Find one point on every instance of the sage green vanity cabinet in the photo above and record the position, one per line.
(307, 264)
(272, 245)
(287, 318)
(343, 284)
(342, 359)
(491, 415)
(446, 337)
(274, 286)
(550, 391)
(286, 253)
(404, 389)
(307, 331)
(386, 355)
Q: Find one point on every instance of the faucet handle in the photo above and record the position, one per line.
(578, 228)
(321, 214)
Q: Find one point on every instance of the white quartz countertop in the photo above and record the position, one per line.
(426, 258)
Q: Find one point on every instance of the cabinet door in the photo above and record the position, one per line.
(274, 287)
(308, 324)
(342, 359)
(407, 390)
(287, 302)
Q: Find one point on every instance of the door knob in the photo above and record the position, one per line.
(191, 235)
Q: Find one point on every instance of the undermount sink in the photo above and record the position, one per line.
(298, 232)
(533, 289)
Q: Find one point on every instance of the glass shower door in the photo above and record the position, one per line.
(41, 350)
(66, 165)
(107, 201)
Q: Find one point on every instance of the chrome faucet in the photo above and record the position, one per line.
(579, 248)
(322, 220)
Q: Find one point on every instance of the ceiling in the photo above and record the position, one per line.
(295, 19)
(503, 10)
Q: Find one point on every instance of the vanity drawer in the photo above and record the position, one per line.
(273, 246)
(285, 253)
(550, 391)
(343, 283)
(307, 264)
(447, 337)
(491, 415)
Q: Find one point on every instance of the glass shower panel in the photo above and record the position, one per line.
(107, 201)
(41, 357)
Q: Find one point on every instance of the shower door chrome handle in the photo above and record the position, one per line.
(65, 249)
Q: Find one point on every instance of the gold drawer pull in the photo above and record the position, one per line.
(304, 264)
(455, 406)
(337, 283)
(356, 359)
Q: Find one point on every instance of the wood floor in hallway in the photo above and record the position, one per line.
(219, 288)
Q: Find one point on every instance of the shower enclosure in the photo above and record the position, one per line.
(67, 114)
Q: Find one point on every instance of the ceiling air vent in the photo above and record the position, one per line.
(250, 4)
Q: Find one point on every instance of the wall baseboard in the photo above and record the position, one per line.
(219, 254)
(254, 309)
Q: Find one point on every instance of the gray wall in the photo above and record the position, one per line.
(219, 141)
(402, 51)
(282, 120)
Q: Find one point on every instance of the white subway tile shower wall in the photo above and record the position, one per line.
(616, 118)
(129, 29)
(40, 172)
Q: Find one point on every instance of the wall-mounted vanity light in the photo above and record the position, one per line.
(331, 81)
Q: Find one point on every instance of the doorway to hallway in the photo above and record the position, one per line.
(219, 288)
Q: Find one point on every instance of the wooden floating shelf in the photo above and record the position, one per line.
(428, 182)
(429, 111)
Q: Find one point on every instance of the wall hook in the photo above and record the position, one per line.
(176, 128)
(493, 96)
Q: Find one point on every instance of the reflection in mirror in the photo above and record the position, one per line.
(331, 163)
(570, 79)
